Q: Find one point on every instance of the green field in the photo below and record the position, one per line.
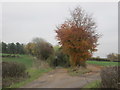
(103, 63)
(6, 54)
(28, 61)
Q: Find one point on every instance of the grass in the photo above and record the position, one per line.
(103, 63)
(34, 74)
(78, 72)
(3, 54)
(7, 54)
(94, 84)
(25, 59)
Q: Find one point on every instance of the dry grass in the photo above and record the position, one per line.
(78, 71)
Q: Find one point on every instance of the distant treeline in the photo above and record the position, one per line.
(39, 48)
(12, 48)
(115, 59)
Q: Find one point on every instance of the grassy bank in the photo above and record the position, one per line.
(103, 63)
(34, 74)
(94, 84)
(31, 68)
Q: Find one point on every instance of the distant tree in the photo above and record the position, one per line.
(112, 56)
(4, 47)
(98, 57)
(30, 48)
(118, 56)
(20, 48)
(11, 48)
(78, 37)
(0, 47)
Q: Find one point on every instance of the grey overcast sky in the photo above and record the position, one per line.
(23, 21)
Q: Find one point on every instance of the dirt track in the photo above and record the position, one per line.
(59, 78)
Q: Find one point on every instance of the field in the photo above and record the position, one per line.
(96, 84)
(103, 63)
(28, 61)
(25, 59)
(34, 72)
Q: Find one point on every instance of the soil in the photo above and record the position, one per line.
(59, 78)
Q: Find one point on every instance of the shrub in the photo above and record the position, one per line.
(59, 59)
(46, 50)
(51, 60)
(109, 77)
(40, 48)
(62, 59)
(13, 69)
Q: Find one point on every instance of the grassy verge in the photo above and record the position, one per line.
(34, 74)
(33, 71)
(94, 84)
(103, 63)
(77, 72)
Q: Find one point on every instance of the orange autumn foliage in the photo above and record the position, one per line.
(78, 37)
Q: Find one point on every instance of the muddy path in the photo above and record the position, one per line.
(59, 78)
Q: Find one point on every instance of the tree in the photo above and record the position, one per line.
(30, 48)
(4, 47)
(113, 57)
(19, 48)
(78, 37)
(22, 49)
(11, 48)
(40, 48)
(0, 47)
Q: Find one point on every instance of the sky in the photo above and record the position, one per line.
(21, 22)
